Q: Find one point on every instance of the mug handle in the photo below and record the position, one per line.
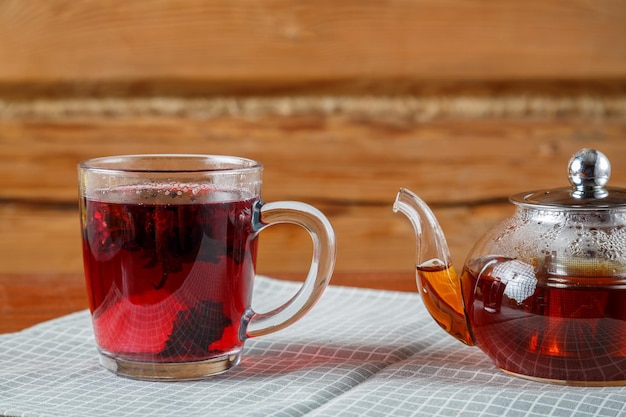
(322, 264)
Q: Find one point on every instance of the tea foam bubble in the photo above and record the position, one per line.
(169, 193)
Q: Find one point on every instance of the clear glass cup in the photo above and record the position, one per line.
(169, 248)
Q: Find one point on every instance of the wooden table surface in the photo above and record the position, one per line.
(28, 299)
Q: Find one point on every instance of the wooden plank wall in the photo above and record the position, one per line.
(464, 102)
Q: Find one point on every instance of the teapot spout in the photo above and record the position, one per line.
(437, 281)
(432, 247)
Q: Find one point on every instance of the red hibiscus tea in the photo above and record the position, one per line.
(168, 271)
(169, 248)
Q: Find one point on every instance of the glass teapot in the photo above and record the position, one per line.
(543, 293)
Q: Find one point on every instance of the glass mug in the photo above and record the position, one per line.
(169, 250)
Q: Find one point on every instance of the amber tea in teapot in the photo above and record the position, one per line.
(552, 324)
(543, 293)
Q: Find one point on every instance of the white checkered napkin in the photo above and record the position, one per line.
(357, 353)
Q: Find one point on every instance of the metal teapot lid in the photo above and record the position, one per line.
(589, 171)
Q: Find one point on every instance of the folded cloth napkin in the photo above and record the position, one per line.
(357, 353)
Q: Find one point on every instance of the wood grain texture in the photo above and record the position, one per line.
(350, 168)
(29, 299)
(345, 160)
(239, 44)
(464, 101)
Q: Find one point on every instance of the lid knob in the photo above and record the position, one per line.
(589, 171)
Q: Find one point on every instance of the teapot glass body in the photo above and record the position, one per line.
(543, 293)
